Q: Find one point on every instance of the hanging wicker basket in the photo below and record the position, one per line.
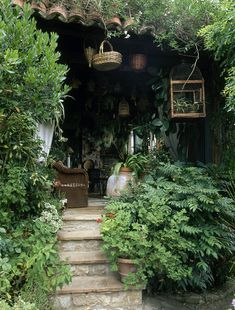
(105, 61)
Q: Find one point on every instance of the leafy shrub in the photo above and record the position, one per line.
(30, 258)
(31, 92)
(19, 305)
(175, 225)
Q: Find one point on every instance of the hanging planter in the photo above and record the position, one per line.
(89, 53)
(123, 108)
(138, 62)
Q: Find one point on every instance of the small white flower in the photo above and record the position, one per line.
(127, 36)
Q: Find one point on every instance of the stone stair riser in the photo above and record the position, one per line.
(80, 245)
(80, 225)
(90, 270)
(125, 300)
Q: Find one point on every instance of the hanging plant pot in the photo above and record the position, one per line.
(106, 61)
(123, 108)
(89, 53)
(138, 62)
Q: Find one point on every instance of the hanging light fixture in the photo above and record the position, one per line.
(123, 108)
(138, 62)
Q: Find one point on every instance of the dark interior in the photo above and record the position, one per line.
(91, 111)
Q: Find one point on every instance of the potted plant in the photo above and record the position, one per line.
(124, 242)
(126, 172)
(163, 221)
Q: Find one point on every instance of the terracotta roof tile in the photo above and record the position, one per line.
(68, 11)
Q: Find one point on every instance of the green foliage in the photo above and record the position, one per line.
(30, 76)
(29, 256)
(31, 91)
(177, 22)
(19, 305)
(219, 38)
(174, 225)
(137, 162)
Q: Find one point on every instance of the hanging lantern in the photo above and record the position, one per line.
(138, 62)
(123, 108)
(89, 53)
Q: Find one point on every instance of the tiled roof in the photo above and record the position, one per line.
(68, 11)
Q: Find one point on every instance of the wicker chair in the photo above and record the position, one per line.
(74, 183)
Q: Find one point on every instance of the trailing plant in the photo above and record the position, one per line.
(136, 162)
(175, 227)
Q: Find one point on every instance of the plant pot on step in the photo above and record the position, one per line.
(125, 266)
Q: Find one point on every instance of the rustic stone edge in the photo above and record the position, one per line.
(204, 298)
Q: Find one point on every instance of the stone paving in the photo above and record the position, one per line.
(218, 300)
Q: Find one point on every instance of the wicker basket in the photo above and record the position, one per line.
(105, 61)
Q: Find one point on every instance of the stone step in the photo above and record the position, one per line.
(80, 258)
(87, 263)
(83, 216)
(80, 245)
(76, 235)
(97, 202)
(74, 225)
(94, 284)
(122, 300)
(80, 213)
(79, 240)
(91, 270)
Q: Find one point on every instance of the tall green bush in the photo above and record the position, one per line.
(176, 227)
(31, 91)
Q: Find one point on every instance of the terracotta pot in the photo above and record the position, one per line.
(114, 21)
(118, 183)
(125, 266)
(128, 22)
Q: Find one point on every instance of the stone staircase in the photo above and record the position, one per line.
(93, 286)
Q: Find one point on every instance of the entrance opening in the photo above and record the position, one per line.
(106, 112)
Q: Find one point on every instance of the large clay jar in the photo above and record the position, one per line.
(118, 183)
(111, 185)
